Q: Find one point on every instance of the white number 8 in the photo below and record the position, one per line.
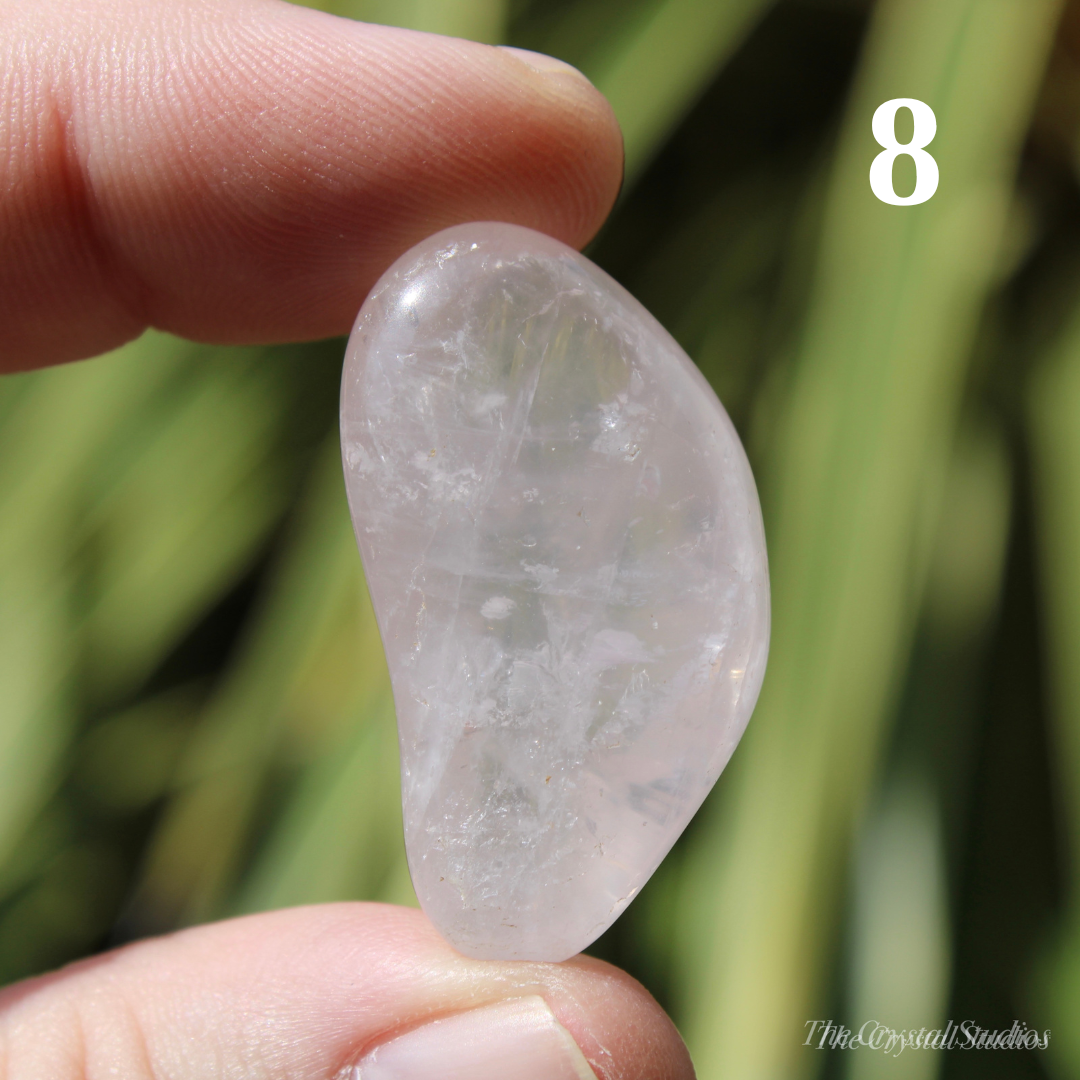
(926, 168)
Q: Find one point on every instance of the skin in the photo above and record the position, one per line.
(243, 171)
(302, 993)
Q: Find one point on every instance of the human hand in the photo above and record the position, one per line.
(337, 992)
(243, 172)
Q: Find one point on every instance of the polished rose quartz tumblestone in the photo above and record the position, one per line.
(563, 544)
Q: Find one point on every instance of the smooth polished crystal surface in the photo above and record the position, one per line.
(563, 544)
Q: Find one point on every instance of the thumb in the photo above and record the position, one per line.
(346, 991)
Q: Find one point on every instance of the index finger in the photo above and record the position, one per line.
(243, 172)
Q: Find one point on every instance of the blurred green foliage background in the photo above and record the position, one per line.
(195, 717)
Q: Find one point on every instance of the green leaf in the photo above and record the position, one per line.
(60, 423)
(36, 668)
(852, 488)
(1054, 426)
(654, 70)
(175, 520)
(478, 20)
(652, 59)
(196, 853)
(340, 837)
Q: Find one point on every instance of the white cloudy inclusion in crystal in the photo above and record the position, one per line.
(563, 544)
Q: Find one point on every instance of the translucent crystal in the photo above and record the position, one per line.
(563, 544)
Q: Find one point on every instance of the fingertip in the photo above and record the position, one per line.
(603, 157)
(620, 1027)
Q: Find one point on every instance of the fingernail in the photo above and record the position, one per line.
(514, 1040)
(544, 64)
